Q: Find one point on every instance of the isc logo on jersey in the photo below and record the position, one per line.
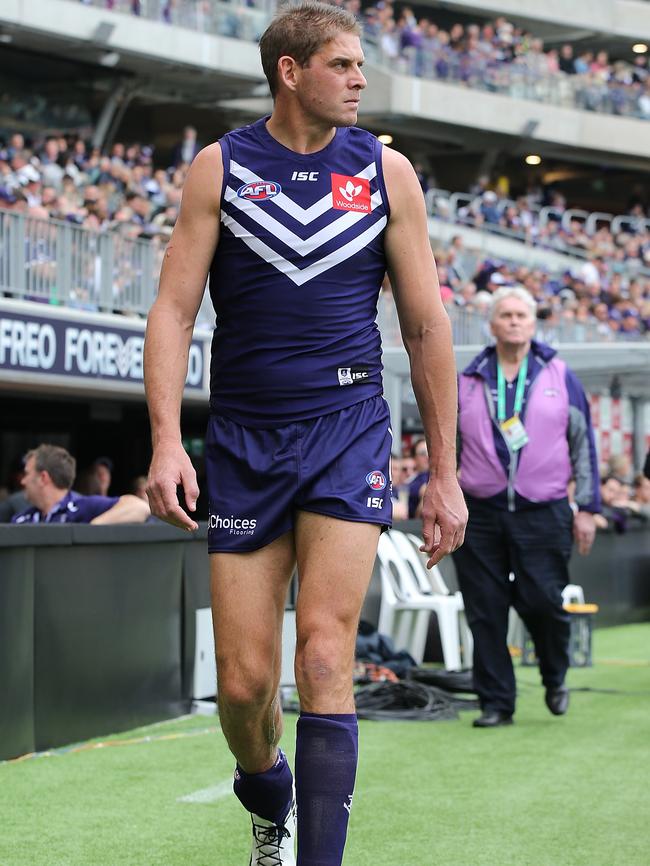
(350, 193)
(259, 190)
(376, 480)
(351, 375)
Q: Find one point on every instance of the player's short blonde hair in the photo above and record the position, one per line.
(299, 31)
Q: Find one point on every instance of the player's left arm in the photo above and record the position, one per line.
(426, 332)
(127, 509)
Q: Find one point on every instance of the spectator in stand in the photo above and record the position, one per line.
(420, 455)
(12, 498)
(47, 483)
(96, 480)
(139, 487)
(398, 491)
(567, 62)
(618, 508)
(408, 468)
(187, 148)
(641, 495)
(619, 466)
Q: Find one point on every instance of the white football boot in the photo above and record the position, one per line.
(273, 844)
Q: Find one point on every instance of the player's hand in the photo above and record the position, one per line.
(444, 518)
(170, 466)
(584, 531)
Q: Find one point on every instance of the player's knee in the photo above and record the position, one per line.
(241, 689)
(321, 660)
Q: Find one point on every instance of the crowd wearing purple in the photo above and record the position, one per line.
(496, 56)
(123, 190)
(499, 56)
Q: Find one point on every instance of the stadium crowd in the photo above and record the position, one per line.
(542, 219)
(123, 190)
(591, 294)
(500, 57)
(496, 56)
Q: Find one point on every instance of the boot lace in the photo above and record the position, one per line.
(268, 842)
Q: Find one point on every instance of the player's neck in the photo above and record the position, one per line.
(297, 132)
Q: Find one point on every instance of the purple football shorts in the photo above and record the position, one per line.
(337, 465)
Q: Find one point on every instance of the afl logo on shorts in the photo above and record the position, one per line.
(376, 480)
(259, 190)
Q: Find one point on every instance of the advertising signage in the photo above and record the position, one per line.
(81, 349)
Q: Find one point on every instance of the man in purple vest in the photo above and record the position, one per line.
(296, 218)
(525, 432)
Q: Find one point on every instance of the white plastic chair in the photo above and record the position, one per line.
(408, 599)
(432, 579)
(572, 593)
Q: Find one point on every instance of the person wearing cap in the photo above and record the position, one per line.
(524, 432)
(103, 471)
(47, 484)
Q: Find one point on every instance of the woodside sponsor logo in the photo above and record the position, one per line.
(350, 193)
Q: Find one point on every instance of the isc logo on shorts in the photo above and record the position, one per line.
(376, 480)
(259, 190)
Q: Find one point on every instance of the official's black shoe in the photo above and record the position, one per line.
(492, 719)
(557, 700)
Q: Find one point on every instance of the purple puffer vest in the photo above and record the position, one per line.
(544, 468)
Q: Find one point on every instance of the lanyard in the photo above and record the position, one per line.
(519, 394)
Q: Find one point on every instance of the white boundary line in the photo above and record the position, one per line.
(209, 795)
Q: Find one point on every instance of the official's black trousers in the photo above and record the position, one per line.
(535, 545)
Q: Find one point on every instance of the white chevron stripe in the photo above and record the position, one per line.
(303, 247)
(298, 276)
(288, 204)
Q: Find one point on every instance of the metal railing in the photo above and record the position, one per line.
(523, 78)
(461, 208)
(237, 20)
(470, 328)
(57, 262)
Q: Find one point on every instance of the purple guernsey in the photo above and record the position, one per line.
(296, 277)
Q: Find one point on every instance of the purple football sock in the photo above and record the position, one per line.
(269, 794)
(326, 766)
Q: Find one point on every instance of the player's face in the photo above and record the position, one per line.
(513, 324)
(330, 85)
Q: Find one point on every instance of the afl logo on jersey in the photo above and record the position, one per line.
(259, 190)
(376, 480)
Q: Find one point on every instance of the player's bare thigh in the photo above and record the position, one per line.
(249, 592)
(335, 563)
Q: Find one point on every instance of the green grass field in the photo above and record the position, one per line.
(571, 791)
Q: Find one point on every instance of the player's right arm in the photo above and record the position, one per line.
(170, 326)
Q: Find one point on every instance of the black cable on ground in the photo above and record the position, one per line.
(408, 701)
(450, 681)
